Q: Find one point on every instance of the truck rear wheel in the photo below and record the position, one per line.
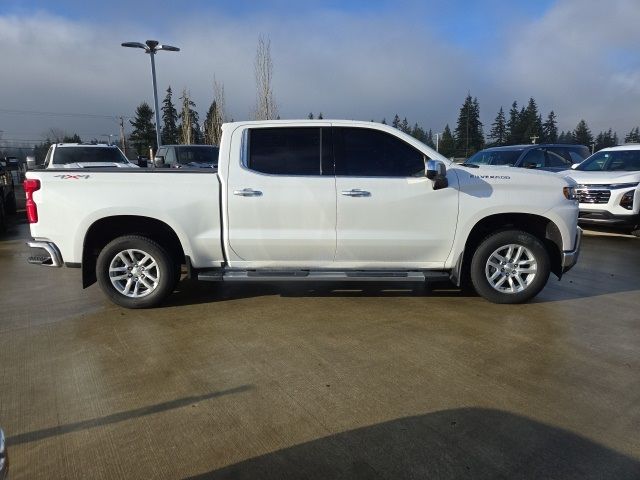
(135, 272)
(510, 266)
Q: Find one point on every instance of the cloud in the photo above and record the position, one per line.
(576, 58)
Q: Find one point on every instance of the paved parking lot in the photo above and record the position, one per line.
(323, 381)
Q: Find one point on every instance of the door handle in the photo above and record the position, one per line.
(356, 192)
(248, 192)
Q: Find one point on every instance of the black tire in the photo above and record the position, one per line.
(492, 244)
(11, 207)
(165, 270)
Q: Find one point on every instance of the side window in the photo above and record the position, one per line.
(576, 157)
(285, 151)
(534, 159)
(558, 157)
(47, 159)
(170, 158)
(363, 152)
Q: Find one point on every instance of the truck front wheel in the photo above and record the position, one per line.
(135, 272)
(510, 266)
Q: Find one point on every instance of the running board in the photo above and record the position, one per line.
(321, 276)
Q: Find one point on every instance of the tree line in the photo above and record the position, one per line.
(522, 125)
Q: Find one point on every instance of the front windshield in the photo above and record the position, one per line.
(495, 157)
(65, 155)
(616, 160)
(187, 155)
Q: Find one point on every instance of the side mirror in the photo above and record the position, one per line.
(158, 161)
(437, 172)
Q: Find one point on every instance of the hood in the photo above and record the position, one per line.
(602, 178)
(98, 165)
(509, 171)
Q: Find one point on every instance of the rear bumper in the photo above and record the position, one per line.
(604, 217)
(570, 258)
(52, 257)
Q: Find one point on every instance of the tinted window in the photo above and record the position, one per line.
(495, 157)
(64, 155)
(196, 155)
(285, 151)
(558, 157)
(372, 153)
(616, 160)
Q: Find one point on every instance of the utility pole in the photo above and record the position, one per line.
(534, 138)
(122, 139)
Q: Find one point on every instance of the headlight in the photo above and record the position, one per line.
(569, 193)
(627, 200)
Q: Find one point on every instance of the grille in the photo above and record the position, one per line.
(586, 195)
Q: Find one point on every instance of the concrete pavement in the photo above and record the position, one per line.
(322, 381)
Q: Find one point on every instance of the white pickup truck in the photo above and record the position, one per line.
(307, 201)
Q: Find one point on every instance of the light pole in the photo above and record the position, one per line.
(151, 47)
(438, 142)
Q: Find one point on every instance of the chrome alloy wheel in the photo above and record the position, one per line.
(134, 273)
(511, 268)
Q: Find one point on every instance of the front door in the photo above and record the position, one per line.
(389, 215)
(282, 199)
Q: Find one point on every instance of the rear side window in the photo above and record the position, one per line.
(286, 151)
(64, 155)
(364, 152)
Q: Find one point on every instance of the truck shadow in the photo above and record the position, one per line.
(450, 444)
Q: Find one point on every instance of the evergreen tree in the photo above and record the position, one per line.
(447, 145)
(429, 139)
(606, 139)
(513, 125)
(550, 129)
(499, 129)
(633, 136)
(320, 117)
(169, 134)
(468, 134)
(404, 126)
(582, 135)
(143, 135)
(530, 123)
(213, 125)
(75, 138)
(310, 116)
(396, 122)
(384, 121)
(418, 133)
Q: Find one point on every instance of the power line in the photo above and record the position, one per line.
(58, 114)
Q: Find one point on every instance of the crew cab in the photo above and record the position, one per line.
(308, 200)
(609, 188)
(85, 155)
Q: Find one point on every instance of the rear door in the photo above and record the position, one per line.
(281, 199)
(389, 215)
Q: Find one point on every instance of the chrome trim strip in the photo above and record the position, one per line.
(51, 249)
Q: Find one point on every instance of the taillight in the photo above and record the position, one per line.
(31, 185)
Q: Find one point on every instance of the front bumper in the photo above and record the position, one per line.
(570, 258)
(53, 258)
(604, 217)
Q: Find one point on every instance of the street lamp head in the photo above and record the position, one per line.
(168, 48)
(152, 44)
(134, 45)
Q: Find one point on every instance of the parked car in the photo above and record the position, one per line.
(4, 458)
(83, 155)
(608, 188)
(187, 156)
(308, 201)
(550, 157)
(7, 194)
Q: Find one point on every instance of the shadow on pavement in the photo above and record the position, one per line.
(452, 444)
(119, 417)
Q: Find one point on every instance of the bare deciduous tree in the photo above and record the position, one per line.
(266, 108)
(185, 116)
(216, 115)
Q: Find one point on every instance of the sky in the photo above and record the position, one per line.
(63, 67)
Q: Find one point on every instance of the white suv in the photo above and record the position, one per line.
(85, 155)
(608, 188)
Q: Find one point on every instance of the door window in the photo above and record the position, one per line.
(288, 151)
(363, 152)
(558, 157)
(534, 159)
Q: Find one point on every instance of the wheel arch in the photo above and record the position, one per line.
(106, 229)
(539, 226)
